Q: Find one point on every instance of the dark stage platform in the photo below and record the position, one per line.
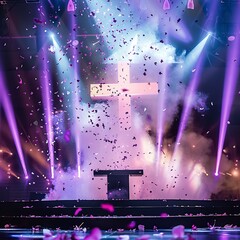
(206, 218)
(201, 234)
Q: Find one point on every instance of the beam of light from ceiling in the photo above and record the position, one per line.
(166, 5)
(161, 112)
(76, 95)
(7, 168)
(195, 80)
(47, 102)
(72, 91)
(7, 106)
(231, 77)
(189, 96)
(193, 57)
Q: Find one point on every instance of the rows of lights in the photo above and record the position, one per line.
(167, 5)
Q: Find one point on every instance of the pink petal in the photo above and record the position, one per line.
(108, 207)
(132, 224)
(178, 231)
(77, 211)
(164, 215)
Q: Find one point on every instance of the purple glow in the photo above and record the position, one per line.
(193, 85)
(188, 101)
(190, 4)
(231, 76)
(46, 96)
(70, 6)
(161, 100)
(12, 122)
(52, 172)
(76, 97)
(48, 114)
(166, 5)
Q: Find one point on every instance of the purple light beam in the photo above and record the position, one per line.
(4, 98)
(47, 102)
(195, 81)
(76, 97)
(161, 105)
(46, 96)
(231, 76)
(188, 101)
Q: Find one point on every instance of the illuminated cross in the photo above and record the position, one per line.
(123, 90)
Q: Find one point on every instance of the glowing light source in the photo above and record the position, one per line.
(193, 56)
(70, 6)
(209, 34)
(52, 35)
(166, 5)
(190, 4)
(235, 173)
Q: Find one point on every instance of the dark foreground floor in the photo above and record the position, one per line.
(200, 234)
(199, 218)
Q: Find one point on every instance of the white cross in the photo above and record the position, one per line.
(123, 90)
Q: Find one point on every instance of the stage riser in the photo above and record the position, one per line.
(54, 214)
(135, 211)
(123, 203)
(119, 223)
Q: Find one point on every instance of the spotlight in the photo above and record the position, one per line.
(166, 5)
(190, 4)
(216, 174)
(26, 177)
(209, 34)
(70, 6)
(235, 173)
(52, 35)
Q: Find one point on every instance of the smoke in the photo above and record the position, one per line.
(106, 144)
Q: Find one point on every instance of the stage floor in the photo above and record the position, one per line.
(200, 234)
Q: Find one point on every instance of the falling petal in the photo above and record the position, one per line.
(77, 211)
(108, 207)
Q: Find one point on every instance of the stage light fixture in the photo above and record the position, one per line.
(52, 35)
(209, 34)
(190, 4)
(70, 6)
(166, 5)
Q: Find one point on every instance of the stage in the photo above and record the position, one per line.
(120, 219)
(121, 116)
(201, 234)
